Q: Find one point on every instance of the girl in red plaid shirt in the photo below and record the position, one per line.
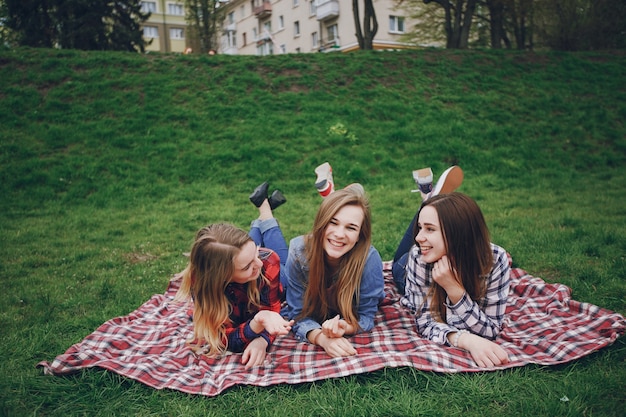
(236, 293)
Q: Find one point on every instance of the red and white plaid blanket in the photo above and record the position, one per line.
(543, 326)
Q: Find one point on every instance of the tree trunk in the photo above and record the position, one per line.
(496, 22)
(458, 21)
(365, 35)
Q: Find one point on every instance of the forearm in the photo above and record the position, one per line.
(467, 314)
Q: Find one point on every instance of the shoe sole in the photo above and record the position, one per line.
(450, 180)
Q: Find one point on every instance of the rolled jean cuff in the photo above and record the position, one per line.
(265, 225)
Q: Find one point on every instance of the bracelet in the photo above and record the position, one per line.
(457, 336)
(317, 336)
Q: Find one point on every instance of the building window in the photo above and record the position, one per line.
(266, 48)
(295, 3)
(283, 48)
(245, 40)
(281, 22)
(396, 24)
(231, 18)
(150, 32)
(177, 33)
(297, 50)
(231, 40)
(296, 28)
(242, 12)
(148, 6)
(313, 7)
(314, 40)
(255, 33)
(175, 9)
(333, 33)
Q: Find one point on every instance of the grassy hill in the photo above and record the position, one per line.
(110, 162)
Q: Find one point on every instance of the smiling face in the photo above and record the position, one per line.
(342, 232)
(430, 237)
(247, 264)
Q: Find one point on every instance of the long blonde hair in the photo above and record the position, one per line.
(316, 303)
(468, 246)
(210, 270)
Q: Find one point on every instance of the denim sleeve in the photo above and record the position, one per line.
(297, 270)
(372, 290)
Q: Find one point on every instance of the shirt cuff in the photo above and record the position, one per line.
(462, 306)
(304, 327)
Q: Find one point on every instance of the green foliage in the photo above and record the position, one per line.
(76, 24)
(109, 163)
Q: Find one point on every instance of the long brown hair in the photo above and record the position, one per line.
(210, 270)
(350, 271)
(468, 246)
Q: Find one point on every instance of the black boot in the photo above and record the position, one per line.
(276, 199)
(259, 194)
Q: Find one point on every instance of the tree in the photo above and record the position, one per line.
(77, 24)
(365, 35)
(203, 18)
(521, 17)
(509, 18)
(428, 29)
(458, 15)
(572, 25)
(31, 22)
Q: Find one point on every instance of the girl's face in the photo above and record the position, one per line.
(342, 232)
(430, 238)
(247, 264)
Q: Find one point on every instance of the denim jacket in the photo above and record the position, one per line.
(297, 270)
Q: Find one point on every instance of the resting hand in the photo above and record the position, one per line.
(336, 347)
(270, 321)
(254, 354)
(335, 327)
(485, 353)
(444, 275)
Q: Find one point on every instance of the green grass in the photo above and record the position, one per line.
(110, 162)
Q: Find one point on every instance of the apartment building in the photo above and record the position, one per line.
(166, 28)
(266, 27)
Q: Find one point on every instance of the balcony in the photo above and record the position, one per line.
(327, 9)
(264, 10)
(231, 27)
(263, 38)
(327, 45)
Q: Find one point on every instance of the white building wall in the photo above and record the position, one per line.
(292, 26)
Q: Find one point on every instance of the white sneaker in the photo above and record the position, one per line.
(324, 182)
(356, 187)
(449, 181)
(424, 181)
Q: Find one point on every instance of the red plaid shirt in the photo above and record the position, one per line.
(238, 331)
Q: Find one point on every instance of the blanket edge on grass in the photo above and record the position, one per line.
(543, 326)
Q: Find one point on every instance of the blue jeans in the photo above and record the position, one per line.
(267, 234)
(398, 268)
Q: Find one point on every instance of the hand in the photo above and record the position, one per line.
(485, 353)
(335, 327)
(254, 354)
(270, 321)
(444, 275)
(336, 347)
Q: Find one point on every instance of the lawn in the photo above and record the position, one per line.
(111, 161)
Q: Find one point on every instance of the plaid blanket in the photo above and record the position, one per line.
(543, 326)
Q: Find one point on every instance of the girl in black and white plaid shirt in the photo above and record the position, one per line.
(457, 281)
